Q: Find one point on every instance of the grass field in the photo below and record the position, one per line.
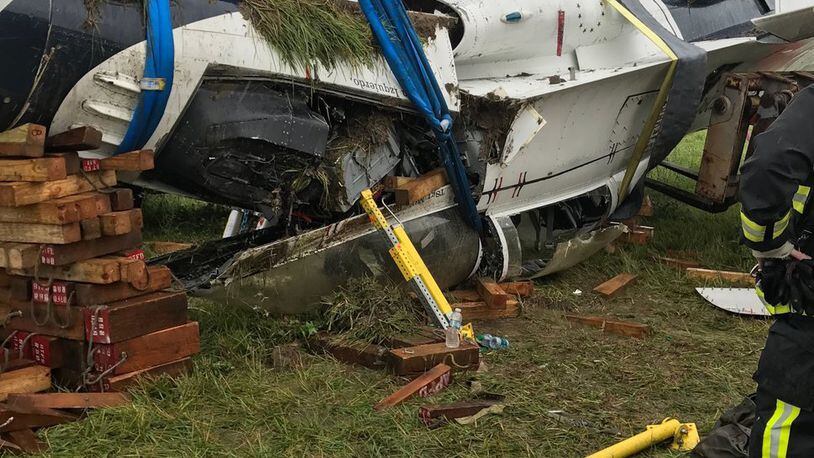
(697, 362)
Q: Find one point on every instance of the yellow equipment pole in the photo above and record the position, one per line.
(685, 438)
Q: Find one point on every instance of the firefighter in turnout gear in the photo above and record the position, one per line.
(778, 225)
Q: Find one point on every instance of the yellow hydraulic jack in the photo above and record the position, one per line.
(684, 435)
(412, 266)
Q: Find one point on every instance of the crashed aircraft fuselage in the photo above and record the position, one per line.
(551, 100)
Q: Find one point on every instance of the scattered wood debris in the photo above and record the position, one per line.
(615, 285)
(429, 383)
(741, 278)
(491, 300)
(73, 283)
(622, 328)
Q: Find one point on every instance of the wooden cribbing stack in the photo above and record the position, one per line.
(77, 300)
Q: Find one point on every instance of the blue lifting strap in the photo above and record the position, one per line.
(404, 53)
(158, 76)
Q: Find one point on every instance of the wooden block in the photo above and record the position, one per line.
(20, 417)
(162, 248)
(391, 183)
(431, 382)
(120, 223)
(425, 336)
(125, 381)
(678, 263)
(40, 233)
(91, 229)
(466, 295)
(159, 277)
(21, 255)
(615, 285)
(135, 317)
(65, 322)
(98, 271)
(623, 328)
(421, 187)
(86, 203)
(69, 400)
(27, 140)
(518, 288)
(430, 415)
(741, 278)
(57, 353)
(134, 161)
(417, 360)
(132, 270)
(44, 213)
(37, 169)
(27, 441)
(18, 193)
(71, 159)
(638, 235)
(31, 379)
(491, 293)
(359, 353)
(482, 311)
(121, 199)
(149, 350)
(79, 139)
(61, 255)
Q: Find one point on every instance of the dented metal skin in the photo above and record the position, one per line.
(550, 98)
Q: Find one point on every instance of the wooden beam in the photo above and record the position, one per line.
(121, 199)
(19, 193)
(359, 353)
(69, 400)
(483, 311)
(135, 317)
(162, 248)
(125, 381)
(518, 288)
(71, 158)
(430, 415)
(20, 417)
(678, 263)
(40, 233)
(79, 139)
(121, 222)
(60, 255)
(431, 382)
(91, 229)
(27, 140)
(87, 203)
(37, 169)
(27, 441)
(492, 293)
(21, 255)
(97, 271)
(160, 278)
(622, 328)
(615, 285)
(44, 213)
(741, 278)
(31, 379)
(465, 295)
(134, 161)
(419, 359)
(58, 353)
(421, 187)
(149, 350)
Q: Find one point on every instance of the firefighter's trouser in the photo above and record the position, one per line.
(781, 430)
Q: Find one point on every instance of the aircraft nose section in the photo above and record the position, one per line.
(24, 28)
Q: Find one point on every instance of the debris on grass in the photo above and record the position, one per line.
(372, 311)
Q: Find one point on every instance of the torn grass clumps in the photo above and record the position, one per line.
(373, 311)
(305, 32)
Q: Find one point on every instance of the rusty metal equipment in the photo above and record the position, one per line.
(748, 103)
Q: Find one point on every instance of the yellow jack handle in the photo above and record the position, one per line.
(685, 438)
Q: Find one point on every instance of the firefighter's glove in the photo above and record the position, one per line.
(772, 279)
(800, 281)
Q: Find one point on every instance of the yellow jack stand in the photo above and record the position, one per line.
(685, 438)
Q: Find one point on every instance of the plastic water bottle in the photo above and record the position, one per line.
(493, 342)
(456, 319)
(453, 337)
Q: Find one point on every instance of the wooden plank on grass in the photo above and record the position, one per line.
(349, 352)
(615, 285)
(27, 140)
(130, 379)
(31, 379)
(36, 169)
(60, 255)
(44, 213)
(40, 233)
(69, 400)
(421, 358)
(18, 193)
(483, 311)
(421, 187)
(623, 328)
(83, 138)
(429, 415)
(149, 350)
(492, 293)
(134, 161)
(741, 278)
(678, 263)
(431, 382)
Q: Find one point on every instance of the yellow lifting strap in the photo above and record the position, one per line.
(409, 262)
(661, 99)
